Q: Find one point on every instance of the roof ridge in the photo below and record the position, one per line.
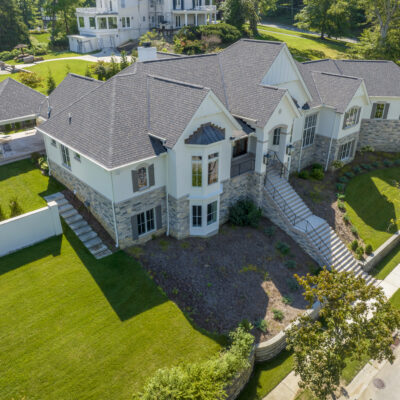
(185, 57)
(223, 81)
(261, 41)
(338, 75)
(316, 61)
(175, 81)
(88, 78)
(9, 79)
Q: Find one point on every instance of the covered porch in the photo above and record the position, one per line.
(200, 15)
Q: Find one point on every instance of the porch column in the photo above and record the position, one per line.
(195, 17)
(185, 19)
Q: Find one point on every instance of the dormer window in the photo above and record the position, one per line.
(351, 117)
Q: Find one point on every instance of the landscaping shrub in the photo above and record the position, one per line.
(291, 264)
(244, 213)
(354, 230)
(367, 167)
(349, 174)
(340, 196)
(193, 47)
(359, 253)
(227, 33)
(15, 208)
(202, 380)
(317, 166)
(388, 163)
(270, 231)
(346, 218)
(367, 149)
(337, 164)
(283, 248)
(368, 249)
(341, 205)
(357, 169)
(59, 42)
(376, 164)
(287, 300)
(340, 187)
(343, 179)
(35, 157)
(6, 56)
(278, 315)
(261, 324)
(318, 174)
(354, 245)
(304, 174)
(31, 79)
(292, 284)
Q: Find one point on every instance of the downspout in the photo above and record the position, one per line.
(330, 145)
(113, 210)
(166, 189)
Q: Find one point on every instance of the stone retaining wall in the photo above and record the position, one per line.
(381, 134)
(381, 252)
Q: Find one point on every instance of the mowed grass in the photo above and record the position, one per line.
(23, 181)
(395, 299)
(59, 69)
(372, 200)
(74, 328)
(304, 46)
(388, 264)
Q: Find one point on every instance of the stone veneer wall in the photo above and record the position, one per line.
(100, 206)
(179, 216)
(381, 134)
(127, 209)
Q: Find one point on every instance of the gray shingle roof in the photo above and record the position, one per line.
(382, 78)
(111, 124)
(18, 100)
(206, 134)
(67, 92)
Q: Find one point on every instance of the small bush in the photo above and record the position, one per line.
(32, 79)
(317, 166)
(291, 264)
(367, 167)
(368, 249)
(245, 213)
(341, 205)
(343, 179)
(359, 253)
(340, 196)
(35, 157)
(354, 245)
(349, 174)
(15, 208)
(367, 149)
(337, 164)
(287, 300)
(227, 33)
(292, 284)
(376, 164)
(261, 324)
(388, 163)
(357, 169)
(314, 269)
(340, 187)
(283, 248)
(354, 230)
(304, 174)
(318, 174)
(278, 315)
(346, 218)
(270, 231)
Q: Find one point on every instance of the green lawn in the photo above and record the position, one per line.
(59, 70)
(304, 46)
(25, 182)
(388, 264)
(395, 299)
(74, 328)
(371, 202)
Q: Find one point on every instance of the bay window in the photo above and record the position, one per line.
(196, 216)
(197, 171)
(212, 212)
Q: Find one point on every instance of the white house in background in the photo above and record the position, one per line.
(168, 144)
(114, 22)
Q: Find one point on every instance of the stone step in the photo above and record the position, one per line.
(74, 218)
(65, 207)
(69, 213)
(103, 254)
(62, 202)
(79, 224)
(87, 236)
(98, 248)
(54, 197)
(82, 229)
(92, 242)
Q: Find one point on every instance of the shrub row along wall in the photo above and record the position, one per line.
(272, 347)
(381, 252)
(30, 228)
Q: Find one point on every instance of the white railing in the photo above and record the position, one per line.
(206, 8)
(87, 10)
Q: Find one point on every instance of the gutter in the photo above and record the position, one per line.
(166, 189)
(113, 210)
(330, 145)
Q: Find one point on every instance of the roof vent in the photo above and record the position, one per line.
(69, 118)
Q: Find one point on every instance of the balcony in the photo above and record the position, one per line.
(205, 8)
(242, 164)
(93, 11)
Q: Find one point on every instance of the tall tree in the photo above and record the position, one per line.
(328, 17)
(355, 320)
(234, 13)
(29, 11)
(12, 27)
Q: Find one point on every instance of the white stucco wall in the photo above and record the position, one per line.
(394, 108)
(30, 228)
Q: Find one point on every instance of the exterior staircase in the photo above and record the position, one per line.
(80, 226)
(331, 250)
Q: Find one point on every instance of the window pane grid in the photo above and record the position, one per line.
(350, 117)
(142, 177)
(65, 156)
(277, 136)
(346, 150)
(196, 216)
(213, 168)
(197, 171)
(211, 213)
(146, 222)
(309, 130)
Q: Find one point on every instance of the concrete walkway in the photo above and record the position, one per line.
(362, 383)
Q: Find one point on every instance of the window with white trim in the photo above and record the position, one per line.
(351, 117)
(212, 212)
(102, 23)
(196, 216)
(178, 20)
(277, 136)
(112, 23)
(81, 22)
(126, 22)
(212, 168)
(77, 157)
(310, 125)
(142, 178)
(346, 150)
(197, 171)
(92, 22)
(65, 157)
(146, 222)
(379, 110)
(178, 4)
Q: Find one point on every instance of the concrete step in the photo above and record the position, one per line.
(92, 242)
(87, 236)
(74, 218)
(78, 224)
(69, 213)
(82, 229)
(103, 254)
(98, 248)
(65, 207)
(54, 197)
(62, 202)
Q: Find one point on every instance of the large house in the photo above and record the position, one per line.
(114, 22)
(167, 145)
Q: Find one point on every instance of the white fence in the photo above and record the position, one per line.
(30, 228)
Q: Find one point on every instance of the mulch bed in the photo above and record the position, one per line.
(233, 276)
(90, 219)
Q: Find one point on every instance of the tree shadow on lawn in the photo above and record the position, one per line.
(370, 205)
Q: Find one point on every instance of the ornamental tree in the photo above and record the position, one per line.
(355, 320)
